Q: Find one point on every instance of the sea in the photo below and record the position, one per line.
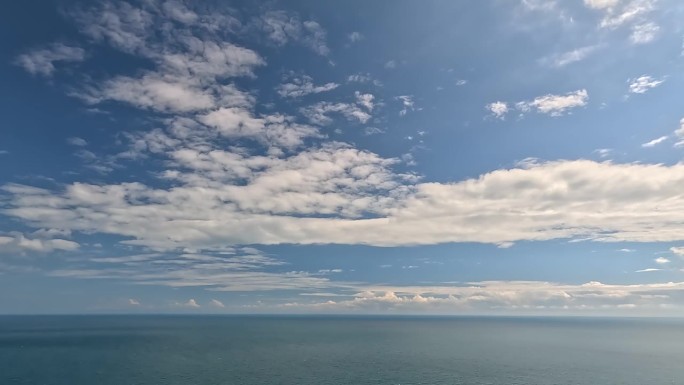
(263, 350)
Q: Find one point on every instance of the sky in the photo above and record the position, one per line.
(518, 157)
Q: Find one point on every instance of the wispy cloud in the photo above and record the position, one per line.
(301, 86)
(643, 83)
(655, 141)
(42, 61)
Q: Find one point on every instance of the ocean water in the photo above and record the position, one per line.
(214, 350)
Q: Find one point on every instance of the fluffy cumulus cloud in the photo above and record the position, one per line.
(41, 61)
(338, 194)
(498, 109)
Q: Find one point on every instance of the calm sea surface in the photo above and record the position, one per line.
(103, 350)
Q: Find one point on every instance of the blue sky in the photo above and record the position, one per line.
(490, 157)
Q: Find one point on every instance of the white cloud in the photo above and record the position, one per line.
(283, 27)
(503, 297)
(133, 302)
(365, 100)
(355, 36)
(655, 141)
(565, 58)
(649, 270)
(498, 109)
(391, 64)
(601, 4)
(191, 303)
(643, 83)
(603, 152)
(678, 251)
(632, 11)
(407, 104)
(319, 113)
(555, 105)
(38, 242)
(373, 131)
(679, 133)
(259, 200)
(301, 86)
(216, 303)
(644, 33)
(78, 142)
(42, 61)
(661, 260)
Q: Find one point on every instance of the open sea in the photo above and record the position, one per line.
(216, 350)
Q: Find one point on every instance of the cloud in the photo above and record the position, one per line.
(643, 83)
(391, 64)
(655, 141)
(601, 4)
(644, 33)
(319, 113)
(678, 251)
(498, 109)
(679, 133)
(649, 270)
(407, 104)
(355, 36)
(565, 58)
(373, 131)
(603, 152)
(133, 302)
(191, 303)
(301, 86)
(661, 260)
(225, 270)
(632, 11)
(39, 242)
(491, 297)
(365, 100)
(318, 196)
(555, 105)
(42, 61)
(78, 142)
(216, 303)
(283, 27)
(281, 130)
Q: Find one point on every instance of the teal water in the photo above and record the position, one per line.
(213, 350)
